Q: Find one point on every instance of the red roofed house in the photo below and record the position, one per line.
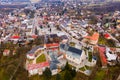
(37, 68)
(102, 56)
(15, 37)
(107, 36)
(6, 52)
(52, 46)
(34, 36)
(94, 38)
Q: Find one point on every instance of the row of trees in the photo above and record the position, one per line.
(67, 74)
(8, 64)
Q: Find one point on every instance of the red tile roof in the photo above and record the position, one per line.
(102, 56)
(34, 36)
(52, 45)
(31, 54)
(106, 35)
(37, 66)
(6, 50)
(94, 37)
(15, 37)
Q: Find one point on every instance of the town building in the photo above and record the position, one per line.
(73, 55)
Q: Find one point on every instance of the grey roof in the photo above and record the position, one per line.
(73, 50)
(53, 66)
(64, 37)
(62, 46)
(34, 49)
(53, 35)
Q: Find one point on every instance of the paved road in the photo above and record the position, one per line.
(118, 77)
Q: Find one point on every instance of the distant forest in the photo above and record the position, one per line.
(109, 7)
(9, 8)
(12, 6)
(15, 0)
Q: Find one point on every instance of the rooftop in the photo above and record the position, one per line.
(94, 37)
(73, 51)
(34, 49)
(36, 66)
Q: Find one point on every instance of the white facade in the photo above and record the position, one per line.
(30, 56)
(76, 60)
(33, 72)
(54, 72)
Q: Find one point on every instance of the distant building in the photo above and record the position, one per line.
(6, 52)
(111, 56)
(107, 36)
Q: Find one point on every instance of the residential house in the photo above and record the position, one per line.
(15, 38)
(111, 56)
(118, 27)
(93, 39)
(6, 52)
(64, 39)
(107, 36)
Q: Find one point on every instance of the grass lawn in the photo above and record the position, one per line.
(100, 75)
(2, 75)
(41, 58)
(107, 42)
(82, 69)
(36, 77)
(102, 40)
(87, 67)
(90, 56)
(40, 77)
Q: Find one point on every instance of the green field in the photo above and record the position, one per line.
(41, 58)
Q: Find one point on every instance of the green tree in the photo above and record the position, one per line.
(111, 43)
(58, 77)
(69, 72)
(10, 69)
(47, 74)
(73, 72)
(67, 67)
(39, 41)
(67, 75)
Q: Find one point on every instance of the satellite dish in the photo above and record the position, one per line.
(34, 1)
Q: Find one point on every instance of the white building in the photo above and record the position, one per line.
(37, 68)
(31, 53)
(110, 56)
(74, 55)
(6, 52)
